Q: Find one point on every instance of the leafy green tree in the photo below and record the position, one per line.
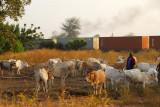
(7, 36)
(13, 9)
(72, 27)
(29, 37)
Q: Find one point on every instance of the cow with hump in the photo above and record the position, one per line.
(97, 79)
(144, 78)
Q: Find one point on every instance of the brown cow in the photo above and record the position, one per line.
(97, 79)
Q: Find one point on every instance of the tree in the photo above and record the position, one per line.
(71, 27)
(8, 40)
(29, 37)
(130, 34)
(13, 9)
(97, 35)
(56, 35)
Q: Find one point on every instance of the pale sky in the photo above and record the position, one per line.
(142, 17)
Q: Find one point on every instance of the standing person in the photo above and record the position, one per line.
(130, 61)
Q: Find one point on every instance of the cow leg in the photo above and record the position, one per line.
(143, 85)
(96, 88)
(2, 72)
(104, 85)
(115, 86)
(63, 79)
(37, 87)
(18, 71)
(112, 83)
(100, 90)
(46, 90)
(127, 85)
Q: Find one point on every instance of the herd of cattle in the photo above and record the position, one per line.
(95, 70)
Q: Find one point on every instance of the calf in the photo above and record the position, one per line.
(97, 79)
(41, 76)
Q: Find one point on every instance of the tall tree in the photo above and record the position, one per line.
(72, 27)
(13, 9)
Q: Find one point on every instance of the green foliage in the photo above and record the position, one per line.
(17, 47)
(72, 27)
(13, 9)
(14, 39)
(47, 44)
(8, 38)
(29, 37)
(2, 44)
(59, 46)
(76, 44)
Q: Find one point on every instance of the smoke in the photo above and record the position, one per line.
(124, 18)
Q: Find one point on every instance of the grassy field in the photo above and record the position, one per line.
(136, 97)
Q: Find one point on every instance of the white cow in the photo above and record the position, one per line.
(93, 60)
(62, 70)
(135, 77)
(41, 77)
(145, 66)
(53, 61)
(103, 66)
(114, 75)
(20, 65)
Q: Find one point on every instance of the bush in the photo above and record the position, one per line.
(17, 47)
(2, 44)
(76, 44)
(47, 44)
(59, 46)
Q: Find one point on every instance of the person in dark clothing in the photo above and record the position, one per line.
(130, 61)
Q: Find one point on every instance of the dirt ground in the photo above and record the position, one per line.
(26, 81)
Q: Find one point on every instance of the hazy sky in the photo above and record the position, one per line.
(142, 17)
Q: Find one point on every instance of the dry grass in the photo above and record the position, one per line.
(135, 97)
(39, 56)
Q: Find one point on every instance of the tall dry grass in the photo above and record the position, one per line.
(42, 55)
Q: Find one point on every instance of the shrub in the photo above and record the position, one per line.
(17, 47)
(76, 44)
(47, 44)
(59, 46)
